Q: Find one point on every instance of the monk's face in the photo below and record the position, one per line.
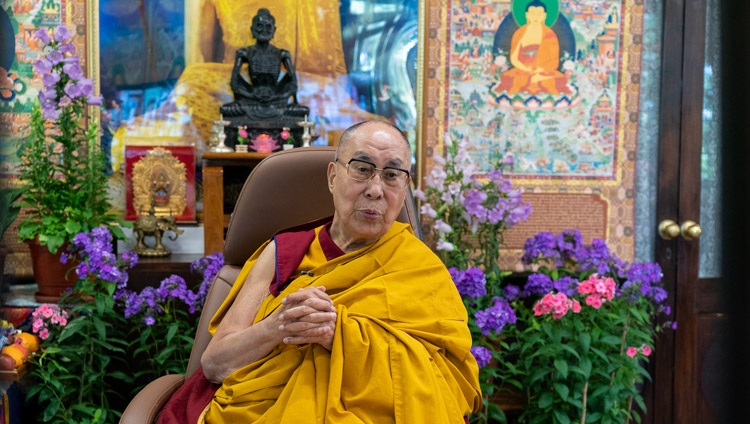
(536, 14)
(365, 210)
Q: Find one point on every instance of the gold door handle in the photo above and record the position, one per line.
(690, 230)
(668, 229)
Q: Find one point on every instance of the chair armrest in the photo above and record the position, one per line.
(145, 406)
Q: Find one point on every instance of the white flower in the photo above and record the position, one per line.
(447, 140)
(438, 159)
(444, 245)
(427, 209)
(442, 228)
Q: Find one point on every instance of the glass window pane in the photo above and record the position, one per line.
(648, 133)
(710, 240)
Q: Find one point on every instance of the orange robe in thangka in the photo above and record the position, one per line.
(545, 56)
(400, 349)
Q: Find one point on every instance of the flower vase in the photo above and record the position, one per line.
(52, 277)
(240, 148)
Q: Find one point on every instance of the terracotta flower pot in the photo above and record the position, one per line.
(52, 276)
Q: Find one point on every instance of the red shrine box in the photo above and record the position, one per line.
(162, 177)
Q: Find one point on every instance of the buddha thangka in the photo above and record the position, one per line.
(264, 102)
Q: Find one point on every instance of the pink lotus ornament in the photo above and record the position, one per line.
(264, 144)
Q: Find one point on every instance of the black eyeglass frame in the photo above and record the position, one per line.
(375, 169)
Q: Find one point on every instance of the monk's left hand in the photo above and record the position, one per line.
(308, 316)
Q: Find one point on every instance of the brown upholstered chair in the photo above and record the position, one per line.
(285, 189)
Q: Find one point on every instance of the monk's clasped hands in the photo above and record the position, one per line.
(308, 316)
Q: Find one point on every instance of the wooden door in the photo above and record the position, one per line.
(690, 365)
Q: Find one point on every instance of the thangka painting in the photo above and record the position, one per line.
(554, 85)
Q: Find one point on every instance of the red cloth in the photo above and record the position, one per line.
(189, 401)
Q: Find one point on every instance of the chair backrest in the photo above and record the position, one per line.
(287, 188)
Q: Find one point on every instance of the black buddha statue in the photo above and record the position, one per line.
(263, 102)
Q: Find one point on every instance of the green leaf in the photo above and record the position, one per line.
(585, 364)
(585, 339)
(562, 367)
(562, 390)
(561, 417)
(545, 400)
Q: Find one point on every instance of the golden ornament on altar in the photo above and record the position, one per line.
(159, 181)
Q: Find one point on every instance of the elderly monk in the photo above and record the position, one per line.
(352, 319)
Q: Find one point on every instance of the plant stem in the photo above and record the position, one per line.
(630, 409)
(585, 393)
(622, 347)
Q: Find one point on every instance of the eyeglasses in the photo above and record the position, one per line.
(362, 170)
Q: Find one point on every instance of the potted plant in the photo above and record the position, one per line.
(103, 341)
(242, 138)
(62, 169)
(9, 210)
(463, 211)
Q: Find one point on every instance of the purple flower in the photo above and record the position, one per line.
(599, 259)
(82, 269)
(73, 69)
(55, 57)
(496, 317)
(537, 284)
(131, 258)
(62, 33)
(473, 204)
(94, 100)
(50, 79)
(86, 86)
(470, 283)
(511, 292)
(149, 296)
(645, 273)
(149, 320)
(542, 244)
(73, 90)
(133, 304)
(482, 355)
(496, 176)
(47, 96)
(68, 48)
(569, 244)
(42, 35)
(50, 112)
(42, 66)
(566, 285)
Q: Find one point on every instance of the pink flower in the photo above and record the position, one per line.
(243, 132)
(284, 134)
(599, 290)
(576, 307)
(556, 304)
(646, 350)
(632, 352)
(46, 310)
(37, 325)
(44, 334)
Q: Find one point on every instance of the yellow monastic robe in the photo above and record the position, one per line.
(400, 349)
